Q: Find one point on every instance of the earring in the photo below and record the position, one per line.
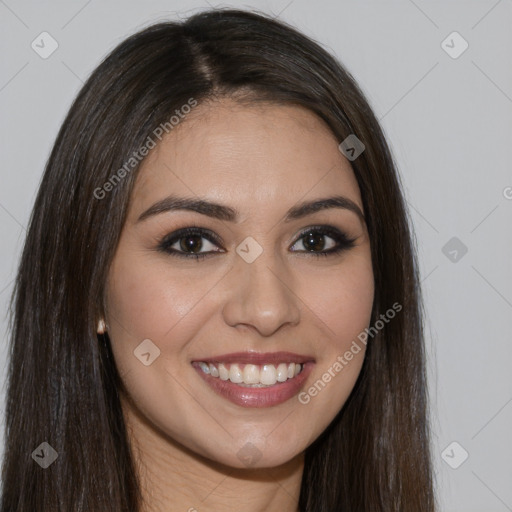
(101, 326)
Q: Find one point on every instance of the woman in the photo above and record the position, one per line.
(217, 304)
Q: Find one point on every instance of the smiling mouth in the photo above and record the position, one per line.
(253, 379)
(252, 375)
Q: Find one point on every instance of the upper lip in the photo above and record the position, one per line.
(257, 358)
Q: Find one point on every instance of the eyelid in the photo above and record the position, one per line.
(193, 230)
(324, 228)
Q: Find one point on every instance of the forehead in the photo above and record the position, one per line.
(252, 156)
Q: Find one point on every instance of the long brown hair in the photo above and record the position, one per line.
(62, 382)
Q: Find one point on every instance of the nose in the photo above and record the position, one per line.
(261, 296)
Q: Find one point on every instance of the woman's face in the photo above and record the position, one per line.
(209, 348)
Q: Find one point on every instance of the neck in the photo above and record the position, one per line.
(175, 479)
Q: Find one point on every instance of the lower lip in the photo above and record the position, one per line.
(258, 397)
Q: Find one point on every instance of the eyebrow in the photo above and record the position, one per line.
(226, 213)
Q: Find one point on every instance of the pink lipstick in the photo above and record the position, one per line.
(253, 379)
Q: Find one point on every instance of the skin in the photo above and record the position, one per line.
(260, 160)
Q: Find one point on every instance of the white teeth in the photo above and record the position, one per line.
(253, 375)
(213, 371)
(282, 372)
(223, 372)
(268, 375)
(204, 367)
(235, 375)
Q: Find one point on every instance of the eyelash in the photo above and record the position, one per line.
(343, 242)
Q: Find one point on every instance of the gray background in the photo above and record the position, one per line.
(449, 123)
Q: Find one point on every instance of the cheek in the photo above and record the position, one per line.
(341, 306)
(143, 303)
(342, 301)
(146, 301)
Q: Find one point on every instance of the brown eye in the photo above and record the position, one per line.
(315, 241)
(190, 243)
(324, 241)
